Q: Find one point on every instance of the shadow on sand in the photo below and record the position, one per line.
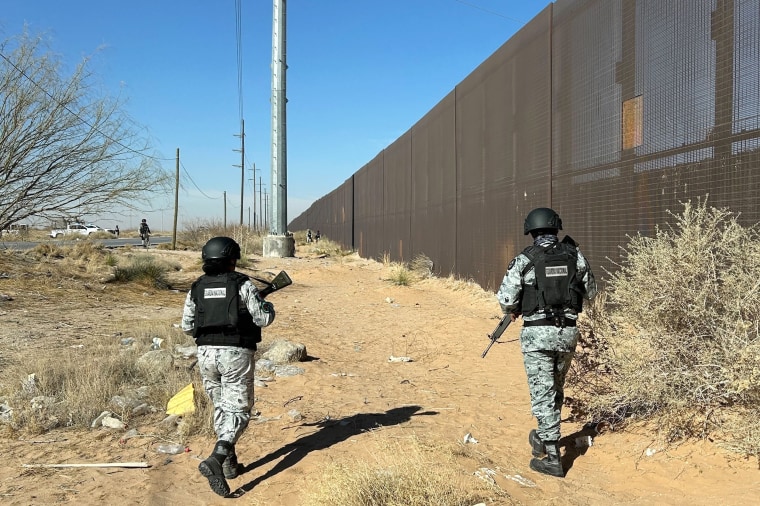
(330, 432)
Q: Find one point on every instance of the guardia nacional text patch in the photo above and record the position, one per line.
(556, 271)
(215, 293)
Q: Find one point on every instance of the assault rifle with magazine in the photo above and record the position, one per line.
(498, 331)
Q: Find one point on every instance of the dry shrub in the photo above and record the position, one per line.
(676, 341)
(399, 274)
(457, 284)
(145, 269)
(422, 266)
(82, 381)
(328, 247)
(195, 235)
(404, 473)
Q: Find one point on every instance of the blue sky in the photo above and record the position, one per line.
(360, 74)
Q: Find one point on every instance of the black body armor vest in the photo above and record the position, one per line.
(557, 288)
(221, 319)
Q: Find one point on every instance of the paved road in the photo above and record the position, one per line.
(108, 243)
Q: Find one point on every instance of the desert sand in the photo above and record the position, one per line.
(353, 401)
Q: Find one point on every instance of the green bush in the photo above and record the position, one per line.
(674, 340)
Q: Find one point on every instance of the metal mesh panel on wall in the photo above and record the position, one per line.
(369, 209)
(613, 112)
(434, 187)
(502, 141)
(397, 198)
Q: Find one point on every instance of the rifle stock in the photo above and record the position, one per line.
(498, 331)
(280, 281)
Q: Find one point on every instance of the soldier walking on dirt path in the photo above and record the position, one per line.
(226, 343)
(546, 284)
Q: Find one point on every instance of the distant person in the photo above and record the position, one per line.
(145, 233)
(117, 230)
(226, 343)
(308, 236)
(318, 236)
(546, 285)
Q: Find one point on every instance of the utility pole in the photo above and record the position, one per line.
(266, 207)
(279, 243)
(254, 194)
(225, 210)
(261, 189)
(242, 165)
(176, 205)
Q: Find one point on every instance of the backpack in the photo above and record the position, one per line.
(143, 228)
(557, 288)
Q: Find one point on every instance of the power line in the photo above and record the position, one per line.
(77, 115)
(468, 4)
(194, 184)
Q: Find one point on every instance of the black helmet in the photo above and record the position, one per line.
(220, 248)
(542, 218)
(143, 220)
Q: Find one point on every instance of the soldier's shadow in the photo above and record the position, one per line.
(330, 431)
(572, 451)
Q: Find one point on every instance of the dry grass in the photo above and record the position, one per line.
(76, 377)
(80, 382)
(402, 473)
(195, 235)
(675, 341)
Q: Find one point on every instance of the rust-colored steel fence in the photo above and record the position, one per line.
(612, 112)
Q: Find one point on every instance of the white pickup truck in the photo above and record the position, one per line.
(76, 229)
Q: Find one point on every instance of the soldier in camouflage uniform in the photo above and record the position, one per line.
(546, 284)
(225, 314)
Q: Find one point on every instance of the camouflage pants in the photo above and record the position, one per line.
(546, 371)
(227, 374)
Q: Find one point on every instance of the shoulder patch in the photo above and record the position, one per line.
(511, 264)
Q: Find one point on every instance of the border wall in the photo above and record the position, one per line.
(612, 112)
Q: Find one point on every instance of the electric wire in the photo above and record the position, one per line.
(468, 4)
(194, 183)
(77, 116)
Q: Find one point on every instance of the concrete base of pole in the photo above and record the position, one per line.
(280, 246)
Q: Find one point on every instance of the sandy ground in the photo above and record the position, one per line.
(354, 401)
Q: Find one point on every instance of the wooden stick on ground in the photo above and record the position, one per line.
(107, 464)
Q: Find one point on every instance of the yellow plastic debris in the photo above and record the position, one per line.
(182, 402)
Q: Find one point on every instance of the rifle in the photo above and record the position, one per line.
(280, 281)
(498, 331)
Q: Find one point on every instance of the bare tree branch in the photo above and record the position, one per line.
(64, 148)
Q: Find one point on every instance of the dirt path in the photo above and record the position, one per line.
(356, 404)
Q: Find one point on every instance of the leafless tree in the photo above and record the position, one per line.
(65, 149)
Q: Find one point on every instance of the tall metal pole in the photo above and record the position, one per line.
(242, 167)
(279, 138)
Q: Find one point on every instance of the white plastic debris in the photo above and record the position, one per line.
(486, 475)
(525, 482)
(399, 359)
(112, 423)
(469, 439)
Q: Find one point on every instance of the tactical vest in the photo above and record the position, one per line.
(221, 319)
(557, 288)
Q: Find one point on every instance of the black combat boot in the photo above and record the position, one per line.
(536, 444)
(550, 464)
(211, 468)
(230, 465)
